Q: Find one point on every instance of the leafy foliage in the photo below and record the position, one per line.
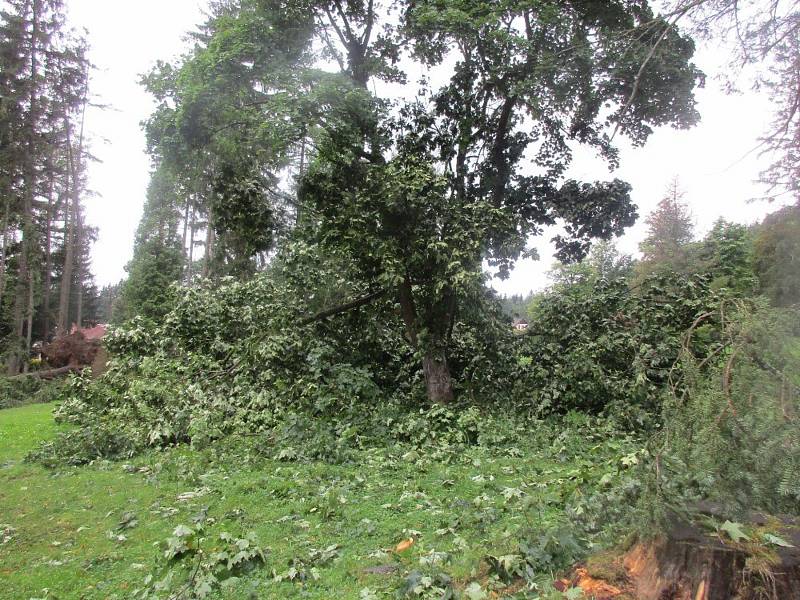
(731, 433)
(776, 249)
(605, 346)
(27, 390)
(191, 571)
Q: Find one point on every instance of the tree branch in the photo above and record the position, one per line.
(353, 304)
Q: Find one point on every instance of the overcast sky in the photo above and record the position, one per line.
(713, 161)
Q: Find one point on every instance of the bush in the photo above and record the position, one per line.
(607, 348)
(27, 390)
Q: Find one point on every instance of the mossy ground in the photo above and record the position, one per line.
(68, 538)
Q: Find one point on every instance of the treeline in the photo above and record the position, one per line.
(45, 276)
(745, 260)
(607, 334)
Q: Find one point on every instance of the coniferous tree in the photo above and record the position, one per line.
(670, 233)
(158, 255)
(43, 87)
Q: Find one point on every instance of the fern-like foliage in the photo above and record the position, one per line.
(732, 423)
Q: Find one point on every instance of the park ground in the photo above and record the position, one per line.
(365, 529)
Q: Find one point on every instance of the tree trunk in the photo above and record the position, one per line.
(186, 228)
(24, 280)
(192, 228)
(438, 382)
(209, 249)
(52, 373)
(6, 215)
(79, 273)
(66, 272)
(48, 261)
(28, 324)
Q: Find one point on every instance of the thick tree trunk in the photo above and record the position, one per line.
(52, 373)
(438, 382)
(690, 562)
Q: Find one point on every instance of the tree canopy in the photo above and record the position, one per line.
(418, 190)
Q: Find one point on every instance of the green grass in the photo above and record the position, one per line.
(467, 503)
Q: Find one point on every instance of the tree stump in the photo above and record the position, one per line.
(691, 564)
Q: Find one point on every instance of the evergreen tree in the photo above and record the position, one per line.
(670, 233)
(727, 255)
(44, 87)
(158, 257)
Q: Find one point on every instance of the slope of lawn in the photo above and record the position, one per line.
(328, 531)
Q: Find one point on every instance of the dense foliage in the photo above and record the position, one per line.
(731, 430)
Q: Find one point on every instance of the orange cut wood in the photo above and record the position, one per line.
(404, 545)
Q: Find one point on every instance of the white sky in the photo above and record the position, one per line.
(713, 161)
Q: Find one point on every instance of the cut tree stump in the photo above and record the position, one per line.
(691, 564)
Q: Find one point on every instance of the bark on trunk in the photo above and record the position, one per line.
(66, 272)
(209, 253)
(52, 373)
(6, 211)
(79, 273)
(28, 325)
(438, 382)
(48, 261)
(186, 228)
(192, 228)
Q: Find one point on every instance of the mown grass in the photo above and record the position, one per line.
(69, 539)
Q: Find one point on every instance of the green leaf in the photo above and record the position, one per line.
(182, 531)
(777, 541)
(734, 531)
(474, 591)
(575, 593)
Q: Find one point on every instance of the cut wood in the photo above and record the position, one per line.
(690, 564)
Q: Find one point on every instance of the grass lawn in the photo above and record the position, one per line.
(90, 532)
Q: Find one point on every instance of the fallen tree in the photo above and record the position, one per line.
(50, 373)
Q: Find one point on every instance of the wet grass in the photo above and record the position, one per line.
(91, 531)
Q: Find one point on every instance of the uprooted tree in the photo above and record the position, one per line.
(418, 192)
